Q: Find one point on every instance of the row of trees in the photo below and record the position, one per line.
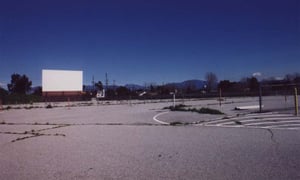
(270, 85)
(246, 84)
(20, 88)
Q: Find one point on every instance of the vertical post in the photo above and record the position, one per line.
(130, 97)
(174, 103)
(1, 105)
(285, 96)
(220, 96)
(93, 83)
(260, 98)
(296, 102)
(69, 105)
(106, 81)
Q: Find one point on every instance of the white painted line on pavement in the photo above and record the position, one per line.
(285, 125)
(247, 107)
(260, 117)
(266, 123)
(262, 121)
(233, 126)
(251, 119)
(159, 114)
(254, 127)
(272, 119)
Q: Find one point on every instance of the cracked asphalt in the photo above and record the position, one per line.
(124, 142)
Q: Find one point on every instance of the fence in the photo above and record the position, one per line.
(284, 100)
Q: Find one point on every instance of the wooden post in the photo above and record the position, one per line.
(296, 102)
(1, 107)
(69, 105)
(174, 102)
(260, 98)
(220, 96)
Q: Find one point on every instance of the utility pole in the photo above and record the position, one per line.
(106, 81)
(93, 83)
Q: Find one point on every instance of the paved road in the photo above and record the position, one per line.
(124, 142)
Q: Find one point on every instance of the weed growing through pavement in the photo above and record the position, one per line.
(238, 122)
(49, 106)
(182, 107)
(175, 123)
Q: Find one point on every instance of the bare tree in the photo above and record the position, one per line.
(211, 80)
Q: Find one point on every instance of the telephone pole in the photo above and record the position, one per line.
(93, 83)
(106, 81)
(114, 84)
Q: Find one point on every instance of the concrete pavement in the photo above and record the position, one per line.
(123, 142)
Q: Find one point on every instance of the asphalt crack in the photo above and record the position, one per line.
(38, 132)
(272, 135)
(33, 133)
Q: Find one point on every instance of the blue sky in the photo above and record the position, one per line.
(150, 41)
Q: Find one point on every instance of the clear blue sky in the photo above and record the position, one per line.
(149, 41)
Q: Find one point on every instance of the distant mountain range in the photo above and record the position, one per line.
(134, 86)
(194, 84)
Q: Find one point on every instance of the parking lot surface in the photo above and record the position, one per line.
(123, 141)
